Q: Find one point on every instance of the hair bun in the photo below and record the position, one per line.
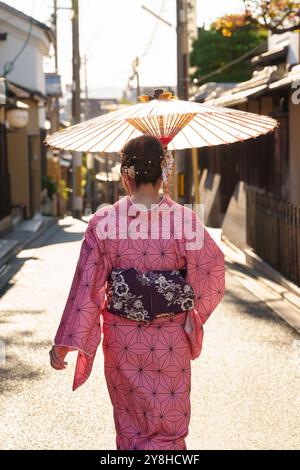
(144, 154)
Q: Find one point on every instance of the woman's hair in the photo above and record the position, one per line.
(143, 157)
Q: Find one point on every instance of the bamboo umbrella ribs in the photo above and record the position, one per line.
(178, 124)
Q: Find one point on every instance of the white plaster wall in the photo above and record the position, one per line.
(293, 38)
(28, 69)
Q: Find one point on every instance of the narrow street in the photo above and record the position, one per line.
(245, 392)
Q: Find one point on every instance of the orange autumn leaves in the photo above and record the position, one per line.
(275, 15)
(229, 23)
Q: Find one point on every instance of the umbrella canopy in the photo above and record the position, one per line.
(178, 124)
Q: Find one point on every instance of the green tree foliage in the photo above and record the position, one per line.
(227, 39)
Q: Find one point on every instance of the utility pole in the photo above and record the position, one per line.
(135, 69)
(186, 167)
(137, 74)
(76, 105)
(54, 26)
(77, 205)
(182, 50)
(182, 160)
(90, 158)
(53, 102)
(86, 90)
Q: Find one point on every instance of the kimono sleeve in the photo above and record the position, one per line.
(205, 270)
(80, 326)
(205, 265)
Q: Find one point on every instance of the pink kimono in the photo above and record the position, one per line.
(147, 366)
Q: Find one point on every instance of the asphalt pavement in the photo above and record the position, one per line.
(245, 385)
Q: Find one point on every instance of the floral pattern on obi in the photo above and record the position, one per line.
(141, 296)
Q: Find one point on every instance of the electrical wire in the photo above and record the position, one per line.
(154, 30)
(8, 66)
(131, 77)
(233, 62)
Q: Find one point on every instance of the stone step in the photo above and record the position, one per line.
(277, 295)
(7, 247)
(31, 225)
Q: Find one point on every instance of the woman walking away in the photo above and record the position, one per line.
(148, 277)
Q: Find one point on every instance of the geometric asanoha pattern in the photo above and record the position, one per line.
(135, 352)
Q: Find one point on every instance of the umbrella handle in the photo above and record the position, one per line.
(166, 188)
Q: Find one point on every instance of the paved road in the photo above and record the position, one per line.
(245, 384)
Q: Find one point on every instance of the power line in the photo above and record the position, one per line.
(8, 66)
(158, 19)
(92, 41)
(233, 62)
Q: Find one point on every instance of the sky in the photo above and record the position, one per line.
(114, 32)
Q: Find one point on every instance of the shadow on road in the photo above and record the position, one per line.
(56, 234)
(257, 308)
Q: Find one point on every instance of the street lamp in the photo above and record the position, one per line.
(17, 116)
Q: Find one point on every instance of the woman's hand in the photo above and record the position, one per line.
(57, 356)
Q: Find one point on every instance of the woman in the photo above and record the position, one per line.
(148, 277)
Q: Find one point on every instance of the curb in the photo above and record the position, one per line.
(256, 262)
(21, 245)
(280, 294)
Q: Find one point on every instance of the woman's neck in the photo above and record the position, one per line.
(146, 196)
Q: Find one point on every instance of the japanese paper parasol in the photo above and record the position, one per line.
(178, 124)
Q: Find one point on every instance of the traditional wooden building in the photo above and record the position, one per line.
(254, 185)
(22, 154)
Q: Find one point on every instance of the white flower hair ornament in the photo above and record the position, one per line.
(130, 170)
(166, 165)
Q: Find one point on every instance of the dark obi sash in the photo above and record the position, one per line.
(145, 296)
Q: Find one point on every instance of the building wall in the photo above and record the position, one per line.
(266, 105)
(18, 166)
(291, 38)
(24, 145)
(34, 154)
(24, 161)
(28, 69)
(253, 106)
(242, 107)
(294, 152)
(5, 196)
